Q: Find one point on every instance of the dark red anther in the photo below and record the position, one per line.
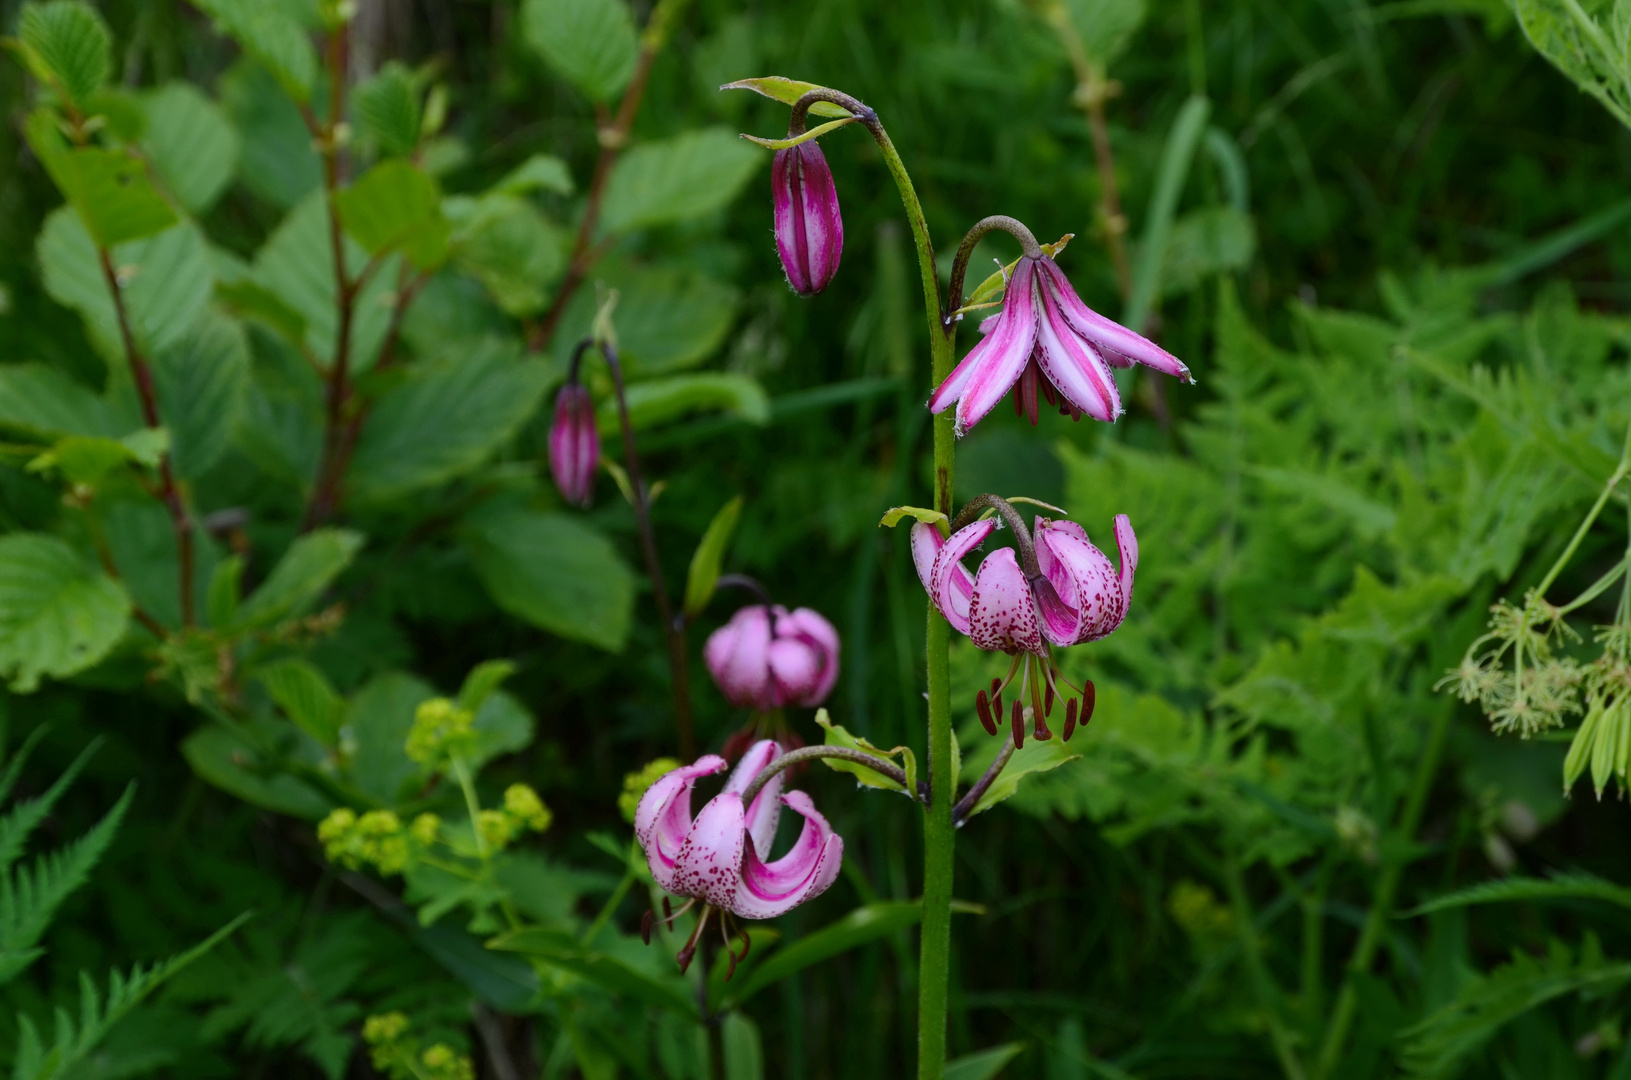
(996, 707)
(668, 910)
(645, 925)
(983, 707)
(1047, 701)
(996, 687)
(1087, 702)
(747, 943)
(1070, 720)
(1016, 720)
(684, 957)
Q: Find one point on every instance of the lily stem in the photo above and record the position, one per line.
(810, 753)
(965, 250)
(673, 629)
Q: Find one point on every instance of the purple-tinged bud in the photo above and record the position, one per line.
(574, 444)
(809, 229)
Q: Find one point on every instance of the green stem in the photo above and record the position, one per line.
(1381, 908)
(612, 904)
(1262, 985)
(472, 804)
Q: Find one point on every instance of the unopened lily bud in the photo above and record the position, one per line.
(769, 658)
(809, 229)
(574, 444)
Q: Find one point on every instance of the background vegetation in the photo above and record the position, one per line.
(1395, 260)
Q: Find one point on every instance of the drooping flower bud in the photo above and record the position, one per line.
(809, 229)
(574, 444)
(768, 657)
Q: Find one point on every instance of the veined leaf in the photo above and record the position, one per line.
(396, 206)
(67, 44)
(305, 696)
(191, 144)
(202, 383)
(591, 43)
(221, 758)
(512, 249)
(42, 402)
(58, 614)
(109, 189)
(387, 109)
(675, 179)
(277, 161)
(270, 31)
(1036, 756)
(300, 577)
(540, 172)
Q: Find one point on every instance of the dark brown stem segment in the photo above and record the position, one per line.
(337, 394)
(673, 629)
(169, 493)
(612, 141)
(965, 805)
(965, 250)
(1016, 524)
(810, 753)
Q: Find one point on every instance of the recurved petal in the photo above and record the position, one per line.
(710, 861)
(1111, 336)
(1002, 613)
(950, 586)
(762, 816)
(1008, 350)
(1074, 366)
(737, 658)
(768, 890)
(663, 817)
(1086, 583)
(1128, 543)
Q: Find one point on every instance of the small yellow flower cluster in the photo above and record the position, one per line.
(523, 810)
(636, 783)
(397, 1055)
(440, 729)
(377, 838)
(1199, 912)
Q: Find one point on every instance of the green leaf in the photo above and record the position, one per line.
(657, 401)
(1217, 240)
(667, 320)
(693, 174)
(203, 383)
(1578, 47)
(68, 45)
(42, 402)
(590, 43)
(982, 1064)
(540, 172)
(512, 249)
(396, 207)
(1575, 886)
(503, 726)
(561, 950)
(26, 815)
(896, 514)
(224, 760)
(703, 575)
(225, 588)
(306, 696)
(553, 571)
(312, 562)
(865, 924)
(29, 896)
(836, 735)
(445, 419)
(483, 679)
(387, 109)
(744, 1052)
(88, 460)
(168, 281)
(297, 266)
(1106, 26)
(109, 189)
(787, 91)
(271, 32)
(277, 161)
(377, 723)
(1036, 756)
(1176, 158)
(58, 614)
(191, 144)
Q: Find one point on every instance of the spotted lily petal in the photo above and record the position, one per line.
(994, 364)
(767, 890)
(948, 575)
(766, 811)
(663, 817)
(1002, 613)
(709, 864)
(1074, 366)
(813, 647)
(1119, 346)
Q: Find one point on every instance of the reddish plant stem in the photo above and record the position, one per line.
(169, 493)
(612, 140)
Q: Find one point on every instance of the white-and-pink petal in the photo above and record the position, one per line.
(950, 586)
(663, 817)
(1002, 614)
(770, 889)
(1074, 366)
(761, 818)
(1111, 337)
(709, 864)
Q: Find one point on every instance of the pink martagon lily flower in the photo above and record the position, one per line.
(767, 657)
(574, 444)
(721, 858)
(1046, 339)
(809, 227)
(1073, 595)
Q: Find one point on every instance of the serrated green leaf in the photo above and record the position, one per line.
(58, 613)
(590, 43)
(506, 244)
(387, 109)
(42, 402)
(68, 45)
(687, 176)
(667, 320)
(444, 420)
(277, 161)
(657, 401)
(306, 696)
(396, 207)
(87, 460)
(552, 571)
(191, 144)
(787, 91)
(110, 190)
(703, 575)
(26, 815)
(270, 31)
(300, 577)
(836, 735)
(1558, 887)
(202, 383)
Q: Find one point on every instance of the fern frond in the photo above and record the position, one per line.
(25, 817)
(96, 1017)
(1557, 887)
(14, 767)
(29, 896)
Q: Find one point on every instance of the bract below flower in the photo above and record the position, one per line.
(574, 444)
(1046, 340)
(719, 858)
(767, 657)
(1073, 595)
(809, 227)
